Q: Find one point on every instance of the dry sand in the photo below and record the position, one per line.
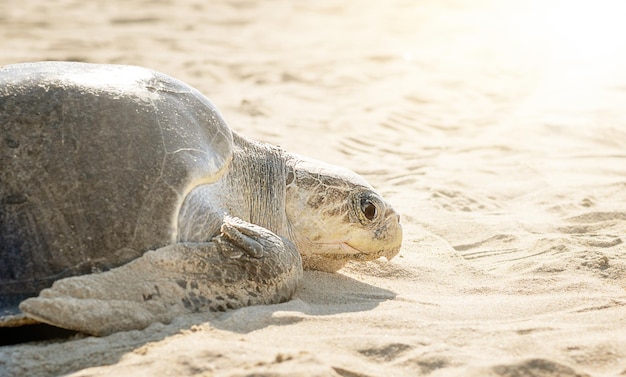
(497, 129)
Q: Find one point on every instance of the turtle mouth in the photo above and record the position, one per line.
(351, 250)
(352, 253)
(362, 255)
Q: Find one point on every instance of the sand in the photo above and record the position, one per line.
(496, 129)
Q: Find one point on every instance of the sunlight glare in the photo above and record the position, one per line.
(585, 53)
(585, 29)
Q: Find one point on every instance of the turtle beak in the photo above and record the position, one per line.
(395, 236)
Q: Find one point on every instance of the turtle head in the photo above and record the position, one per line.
(335, 216)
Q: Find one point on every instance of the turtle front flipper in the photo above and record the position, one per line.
(173, 280)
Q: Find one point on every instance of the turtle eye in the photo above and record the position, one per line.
(369, 209)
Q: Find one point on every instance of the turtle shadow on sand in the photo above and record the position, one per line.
(320, 294)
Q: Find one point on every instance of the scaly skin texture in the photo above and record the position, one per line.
(101, 164)
(174, 280)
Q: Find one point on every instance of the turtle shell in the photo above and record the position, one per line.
(95, 161)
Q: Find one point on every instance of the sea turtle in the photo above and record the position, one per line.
(125, 199)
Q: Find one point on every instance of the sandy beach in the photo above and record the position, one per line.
(497, 129)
